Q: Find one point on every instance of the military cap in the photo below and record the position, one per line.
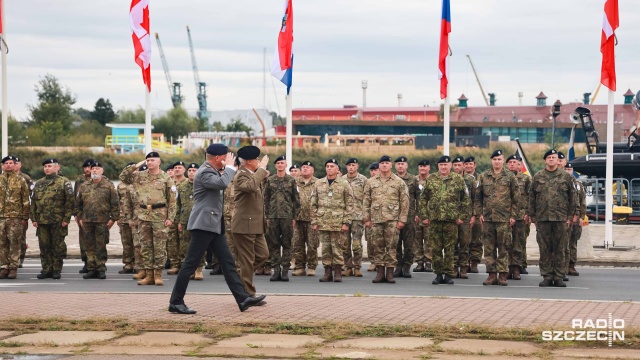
(249, 152)
(512, 157)
(424, 162)
(374, 166)
(217, 149)
(470, 159)
(549, 152)
(384, 158)
(48, 161)
(444, 159)
(352, 161)
(457, 159)
(561, 155)
(8, 158)
(280, 158)
(568, 166)
(152, 154)
(497, 153)
(143, 167)
(96, 164)
(193, 166)
(331, 161)
(401, 159)
(307, 163)
(169, 167)
(178, 163)
(87, 162)
(294, 166)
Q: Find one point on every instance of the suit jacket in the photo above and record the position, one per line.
(248, 217)
(208, 195)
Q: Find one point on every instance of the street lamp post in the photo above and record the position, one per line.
(556, 112)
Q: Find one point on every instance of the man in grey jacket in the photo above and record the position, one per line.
(206, 227)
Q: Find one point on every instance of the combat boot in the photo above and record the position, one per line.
(356, 272)
(217, 270)
(463, 272)
(102, 275)
(419, 267)
(438, 280)
(127, 269)
(379, 276)
(348, 272)
(427, 267)
(198, 275)
(406, 271)
(559, 283)
(565, 277)
(13, 273)
(140, 275)
(372, 267)
(474, 267)
(516, 273)
(299, 272)
(546, 282)
(45, 275)
(491, 280)
(572, 271)
(148, 278)
(523, 271)
(91, 274)
(4, 273)
(327, 277)
(390, 278)
(502, 279)
(447, 280)
(173, 271)
(337, 273)
(276, 274)
(56, 275)
(284, 276)
(84, 269)
(157, 277)
(397, 272)
(311, 272)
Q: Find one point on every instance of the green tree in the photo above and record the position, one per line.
(175, 123)
(130, 116)
(217, 126)
(103, 111)
(53, 113)
(237, 125)
(83, 113)
(277, 119)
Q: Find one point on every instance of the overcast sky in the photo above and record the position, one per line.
(516, 45)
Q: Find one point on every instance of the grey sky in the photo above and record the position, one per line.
(516, 45)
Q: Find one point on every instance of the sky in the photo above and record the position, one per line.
(523, 46)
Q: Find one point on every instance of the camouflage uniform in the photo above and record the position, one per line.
(332, 207)
(81, 179)
(386, 202)
(518, 232)
(305, 233)
(184, 204)
(23, 242)
(51, 205)
(353, 255)
(127, 204)
(461, 253)
(14, 209)
(152, 190)
(423, 248)
(126, 235)
(496, 200)
(96, 204)
(173, 237)
(551, 204)
(475, 246)
(227, 214)
(444, 200)
(408, 232)
(575, 230)
(281, 206)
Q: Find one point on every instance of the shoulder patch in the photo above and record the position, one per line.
(32, 186)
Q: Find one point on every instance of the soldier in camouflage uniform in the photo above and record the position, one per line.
(353, 255)
(443, 205)
(305, 244)
(98, 208)
(518, 233)
(423, 247)
(475, 246)
(407, 236)
(461, 254)
(173, 239)
(23, 241)
(14, 213)
(51, 208)
(552, 208)
(129, 204)
(126, 236)
(575, 230)
(281, 206)
(374, 169)
(184, 204)
(331, 214)
(81, 179)
(155, 209)
(385, 208)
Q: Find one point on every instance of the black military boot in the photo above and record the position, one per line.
(546, 282)
(397, 272)
(91, 274)
(84, 269)
(284, 276)
(559, 283)
(406, 271)
(45, 275)
(524, 271)
(56, 275)
(437, 280)
(447, 280)
(216, 270)
(276, 274)
(102, 275)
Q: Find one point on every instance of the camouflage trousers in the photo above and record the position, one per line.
(384, 237)
(527, 231)
(96, 237)
(173, 245)
(406, 244)
(153, 239)
(82, 243)
(280, 233)
(305, 246)
(333, 244)
(497, 239)
(475, 246)
(185, 240)
(461, 253)
(353, 253)
(443, 236)
(367, 238)
(23, 243)
(126, 237)
(423, 247)
(571, 254)
(552, 241)
(53, 249)
(10, 242)
(518, 243)
(137, 247)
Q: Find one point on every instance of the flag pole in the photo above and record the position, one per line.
(447, 118)
(147, 121)
(608, 230)
(289, 134)
(5, 110)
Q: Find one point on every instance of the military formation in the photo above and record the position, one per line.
(445, 222)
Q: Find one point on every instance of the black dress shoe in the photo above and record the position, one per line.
(181, 309)
(251, 301)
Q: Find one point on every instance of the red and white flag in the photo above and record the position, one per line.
(610, 23)
(139, 22)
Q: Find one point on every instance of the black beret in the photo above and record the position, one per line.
(384, 158)
(549, 152)
(143, 167)
(352, 161)
(331, 161)
(153, 154)
(249, 152)
(458, 159)
(294, 166)
(193, 166)
(444, 159)
(8, 158)
(170, 167)
(568, 166)
(280, 158)
(374, 166)
(561, 155)
(48, 161)
(217, 149)
(307, 163)
(512, 157)
(96, 164)
(87, 162)
(178, 163)
(401, 159)
(424, 162)
(470, 159)
(497, 153)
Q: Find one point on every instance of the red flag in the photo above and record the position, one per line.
(444, 47)
(1, 17)
(139, 22)
(610, 23)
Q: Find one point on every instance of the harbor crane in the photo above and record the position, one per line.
(201, 87)
(174, 87)
(486, 100)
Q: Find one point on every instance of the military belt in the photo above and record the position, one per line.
(154, 206)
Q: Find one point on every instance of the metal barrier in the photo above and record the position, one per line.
(624, 192)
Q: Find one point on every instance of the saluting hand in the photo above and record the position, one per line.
(264, 162)
(230, 159)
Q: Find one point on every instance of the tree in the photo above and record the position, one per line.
(175, 123)
(237, 125)
(125, 116)
(277, 119)
(16, 131)
(217, 126)
(103, 112)
(83, 113)
(53, 113)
